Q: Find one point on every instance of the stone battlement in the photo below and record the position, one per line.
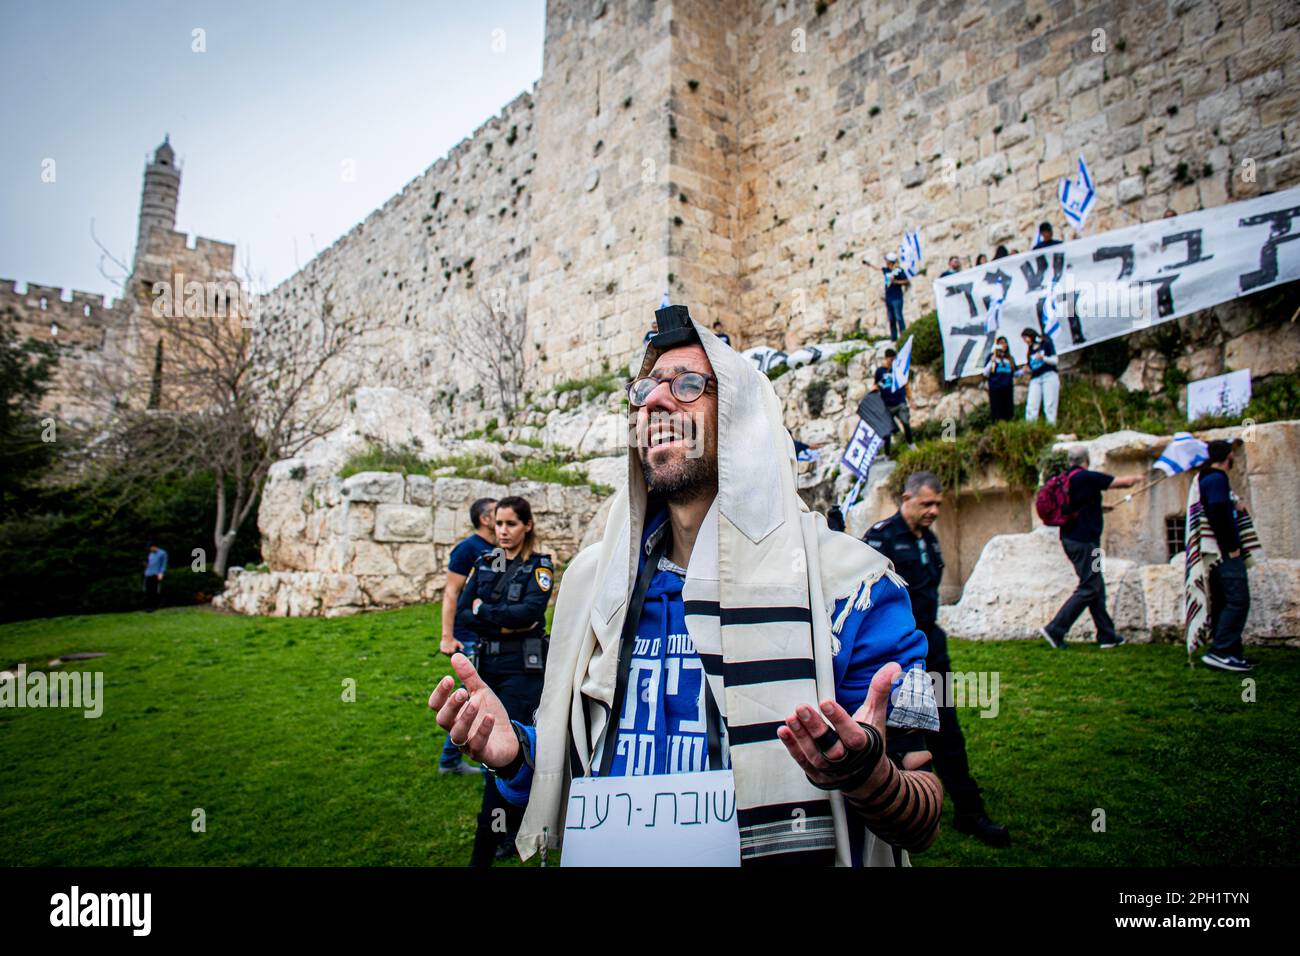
(173, 245)
(65, 306)
(444, 168)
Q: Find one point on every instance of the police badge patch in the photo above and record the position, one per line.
(543, 576)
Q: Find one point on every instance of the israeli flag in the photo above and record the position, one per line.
(1051, 313)
(909, 253)
(903, 364)
(1184, 453)
(1077, 196)
(994, 317)
(665, 303)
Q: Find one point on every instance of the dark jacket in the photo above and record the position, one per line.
(514, 597)
(918, 560)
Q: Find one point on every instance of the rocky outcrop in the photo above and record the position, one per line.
(336, 546)
(1022, 579)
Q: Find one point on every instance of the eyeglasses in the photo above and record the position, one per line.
(685, 386)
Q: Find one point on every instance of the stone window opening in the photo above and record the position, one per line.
(1175, 534)
(45, 304)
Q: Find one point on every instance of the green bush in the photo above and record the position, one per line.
(947, 459)
(1110, 357)
(1013, 447)
(814, 394)
(597, 384)
(404, 459)
(927, 341)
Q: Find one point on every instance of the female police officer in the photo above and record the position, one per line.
(504, 602)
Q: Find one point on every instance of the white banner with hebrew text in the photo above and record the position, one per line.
(1098, 287)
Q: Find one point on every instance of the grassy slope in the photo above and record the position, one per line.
(243, 717)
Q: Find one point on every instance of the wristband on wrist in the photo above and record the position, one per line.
(511, 770)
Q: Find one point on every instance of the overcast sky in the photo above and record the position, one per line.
(262, 122)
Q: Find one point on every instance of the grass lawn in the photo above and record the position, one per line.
(243, 717)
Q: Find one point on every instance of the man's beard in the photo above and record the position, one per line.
(683, 480)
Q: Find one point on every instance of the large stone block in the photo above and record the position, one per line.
(419, 490)
(1267, 351)
(369, 558)
(415, 560)
(1017, 585)
(394, 590)
(376, 486)
(403, 523)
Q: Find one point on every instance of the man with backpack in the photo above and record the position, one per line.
(1072, 502)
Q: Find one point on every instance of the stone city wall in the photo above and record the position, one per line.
(338, 546)
(453, 244)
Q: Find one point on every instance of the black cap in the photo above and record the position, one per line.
(675, 328)
(1218, 450)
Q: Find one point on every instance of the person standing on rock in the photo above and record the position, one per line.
(1044, 381)
(1000, 370)
(1081, 540)
(1229, 590)
(504, 604)
(896, 283)
(895, 398)
(154, 569)
(482, 518)
(908, 540)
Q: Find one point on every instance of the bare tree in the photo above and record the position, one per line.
(232, 392)
(492, 339)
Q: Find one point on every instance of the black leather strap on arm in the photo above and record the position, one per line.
(657, 546)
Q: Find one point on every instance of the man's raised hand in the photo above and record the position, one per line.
(801, 729)
(472, 715)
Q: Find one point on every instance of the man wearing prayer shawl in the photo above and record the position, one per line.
(719, 624)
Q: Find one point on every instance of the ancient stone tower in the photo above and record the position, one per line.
(161, 193)
(109, 353)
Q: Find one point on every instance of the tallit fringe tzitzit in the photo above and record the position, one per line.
(759, 591)
(1202, 555)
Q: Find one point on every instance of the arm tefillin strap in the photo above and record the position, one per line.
(855, 767)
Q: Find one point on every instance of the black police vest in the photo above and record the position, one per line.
(918, 560)
(512, 584)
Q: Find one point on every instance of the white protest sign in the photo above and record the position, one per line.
(1221, 395)
(1099, 287)
(861, 450)
(678, 819)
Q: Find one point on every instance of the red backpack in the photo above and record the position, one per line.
(1053, 501)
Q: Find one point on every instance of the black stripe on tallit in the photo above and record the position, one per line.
(739, 735)
(732, 616)
(742, 673)
(703, 608)
(712, 663)
(783, 812)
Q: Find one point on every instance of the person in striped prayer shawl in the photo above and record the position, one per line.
(720, 625)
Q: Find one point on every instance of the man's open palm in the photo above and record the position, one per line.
(473, 715)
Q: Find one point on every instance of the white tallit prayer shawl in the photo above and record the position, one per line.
(763, 576)
(1202, 555)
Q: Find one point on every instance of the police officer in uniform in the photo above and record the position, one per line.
(504, 603)
(906, 539)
